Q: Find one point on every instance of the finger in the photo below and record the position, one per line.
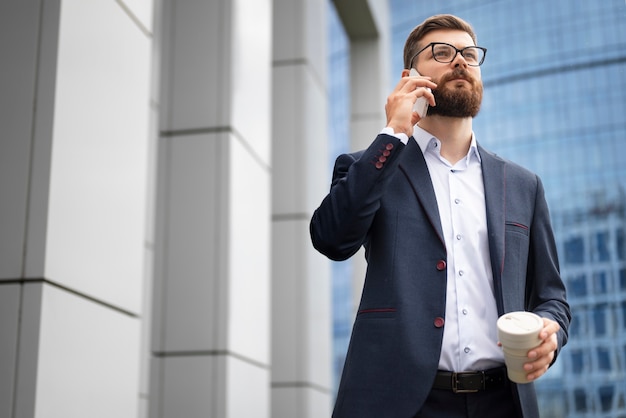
(412, 83)
(548, 346)
(550, 327)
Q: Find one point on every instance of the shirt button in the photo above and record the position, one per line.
(467, 350)
(458, 237)
(464, 311)
(457, 201)
(461, 272)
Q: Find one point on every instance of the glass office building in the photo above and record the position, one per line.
(555, 102)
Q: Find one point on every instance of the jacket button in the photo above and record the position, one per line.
(441, 265)
(379, 165)
(389, 147)
(439, 321)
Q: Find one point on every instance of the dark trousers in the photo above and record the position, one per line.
(495, 403)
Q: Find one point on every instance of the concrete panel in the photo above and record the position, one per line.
(193, 243)
(248, 393)
(195, 66)
(190, 387)
(88, 361)
(99, 160)
(300, 152)
(141, 10)
(28, 359)
(299, 35)
(301, 402)
(251, 50)
(10, 297)
(288, 320)
(19, 31)
(302, 323)
(249, 255)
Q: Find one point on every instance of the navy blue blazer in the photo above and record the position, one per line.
(382, 198)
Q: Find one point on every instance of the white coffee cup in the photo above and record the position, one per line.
(518, 333)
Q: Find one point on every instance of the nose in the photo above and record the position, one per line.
(459, 60)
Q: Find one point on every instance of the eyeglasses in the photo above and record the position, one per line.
(446, 53)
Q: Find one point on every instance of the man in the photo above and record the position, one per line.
(454, 237)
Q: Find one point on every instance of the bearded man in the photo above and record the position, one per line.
(454, 237)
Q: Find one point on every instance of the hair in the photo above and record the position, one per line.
(436, 22)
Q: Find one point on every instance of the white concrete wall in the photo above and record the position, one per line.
(211, 319)
(301, 315)
(76, 208)
(157, 182)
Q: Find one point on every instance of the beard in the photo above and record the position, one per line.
(457, 101)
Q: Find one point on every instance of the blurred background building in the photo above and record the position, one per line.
(160, 161)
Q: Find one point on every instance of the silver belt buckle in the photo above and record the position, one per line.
(455, 382)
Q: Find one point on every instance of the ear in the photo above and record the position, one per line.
(405, 72)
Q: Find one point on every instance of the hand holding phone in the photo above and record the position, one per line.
(421, 104)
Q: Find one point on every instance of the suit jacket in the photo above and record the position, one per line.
(382, 198)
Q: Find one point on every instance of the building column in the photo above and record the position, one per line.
(73, 175)
(211, 328)
(367, 25)
(301, 295)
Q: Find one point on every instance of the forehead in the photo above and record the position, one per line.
(454, 37)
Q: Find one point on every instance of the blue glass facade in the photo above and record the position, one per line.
(555, 102)
(339, 141)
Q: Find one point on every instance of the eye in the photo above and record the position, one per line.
(443, 52)
(471, 54)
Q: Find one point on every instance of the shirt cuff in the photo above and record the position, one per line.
(400, 135)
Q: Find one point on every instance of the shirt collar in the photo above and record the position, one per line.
(425, 138)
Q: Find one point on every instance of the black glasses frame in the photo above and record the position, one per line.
(458, 51)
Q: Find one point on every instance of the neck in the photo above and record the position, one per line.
(455, 135)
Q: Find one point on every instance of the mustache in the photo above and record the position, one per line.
(456, 74)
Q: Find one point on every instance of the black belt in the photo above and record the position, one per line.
(466, 382)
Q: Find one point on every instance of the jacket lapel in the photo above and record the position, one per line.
(494, 179)
(414, 167)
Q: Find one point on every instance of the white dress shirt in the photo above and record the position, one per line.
(470, 334)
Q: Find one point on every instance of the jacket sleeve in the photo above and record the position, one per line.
(545, 291)
(339, 226)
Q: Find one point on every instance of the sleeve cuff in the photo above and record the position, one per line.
(401, 135)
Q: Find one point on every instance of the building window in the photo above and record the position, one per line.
(622, 279)
(606, 397)
(604, 359)
(599, 282)
(602, 247)
(575, 327)
(621, 244)
(599, 319)
(575, 250)
(580, 400)
(578, 361)
(577, 286)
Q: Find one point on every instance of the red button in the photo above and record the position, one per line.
(389, 146)
(441, 265)
(379, 165)
(439, 321)
(382, 158)
(386, 153)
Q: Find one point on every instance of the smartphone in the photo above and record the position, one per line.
(421, 104)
